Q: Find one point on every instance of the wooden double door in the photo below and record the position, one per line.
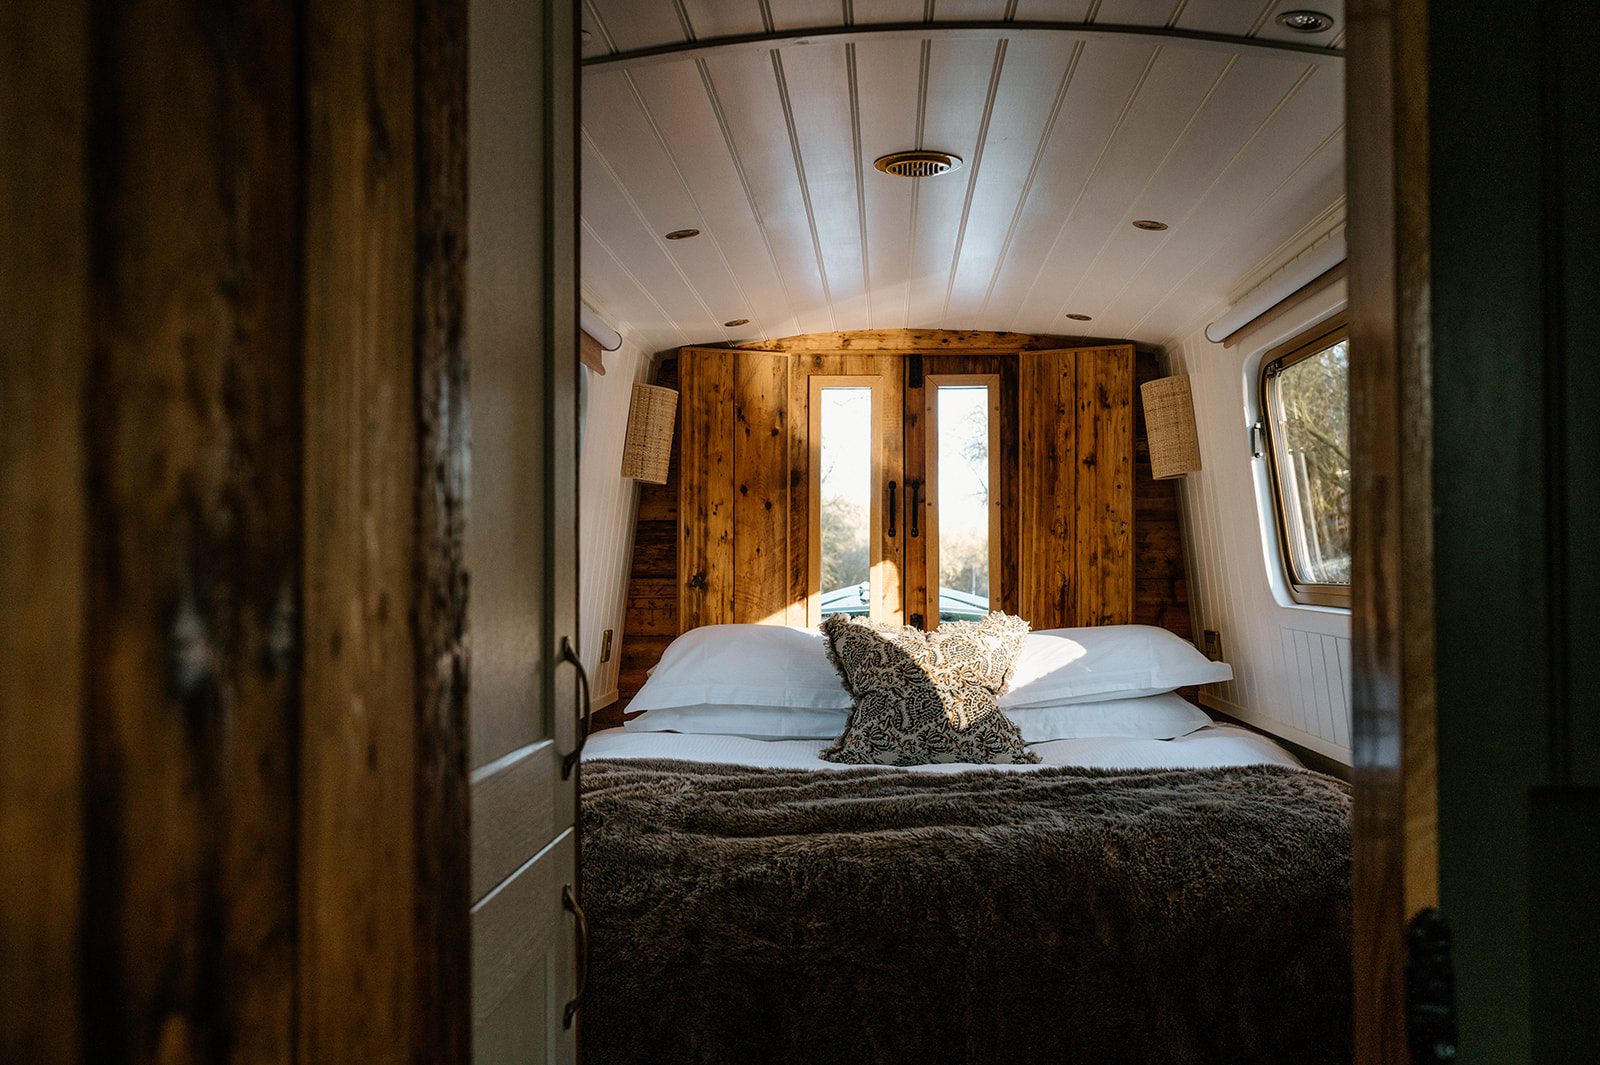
(906, 486)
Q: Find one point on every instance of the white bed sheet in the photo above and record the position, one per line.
(1214, 745)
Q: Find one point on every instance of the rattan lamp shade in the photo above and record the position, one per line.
(1169, 423)
(647, 451)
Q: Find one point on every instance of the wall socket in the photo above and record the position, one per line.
(1213, 641)
(605, 646)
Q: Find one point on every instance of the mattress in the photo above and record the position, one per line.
(1211, 747)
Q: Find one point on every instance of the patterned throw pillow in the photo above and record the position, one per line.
(925, 697)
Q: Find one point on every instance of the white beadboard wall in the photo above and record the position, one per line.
(607, 502)
(1291, 663)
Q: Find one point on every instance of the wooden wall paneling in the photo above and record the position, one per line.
(801, 370)
(357, 800)
(923, 341)
(1104, 492)
(1161, 591)
(44, 306)
(1159, 594)
(1047, 511)
(646, 633)
(761, 500)
(706, 487)
(193, 422)
(441, 1013)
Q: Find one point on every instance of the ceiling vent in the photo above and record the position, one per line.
(917, 164)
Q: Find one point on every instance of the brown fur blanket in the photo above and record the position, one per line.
(752, 916)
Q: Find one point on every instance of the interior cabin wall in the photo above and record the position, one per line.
(232, 412)
(1291, 663)
(1161, 595)
(607, 504)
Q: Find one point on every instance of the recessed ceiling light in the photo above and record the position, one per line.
(737, 321)
(1080, 317)
(683, 234)
(1149, 223)
(585, 36)
(1305, 21)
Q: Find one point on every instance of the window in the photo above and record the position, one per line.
(853, 492)
(844, 499)
(1305, 405)
(963, 419)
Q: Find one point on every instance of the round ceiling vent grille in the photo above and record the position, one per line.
(917, 164)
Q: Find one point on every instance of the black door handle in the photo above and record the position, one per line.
(580, 979)
(894, 493)
(1430, 990)
(585, 707)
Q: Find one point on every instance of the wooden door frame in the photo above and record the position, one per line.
(930, 491)
(877, 540)
(1395, 835)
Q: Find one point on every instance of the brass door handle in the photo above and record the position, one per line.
(585, 707)
(569, 902)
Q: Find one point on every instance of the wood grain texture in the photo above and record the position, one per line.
(441, 1016)
(1047, 526)
(913, 342)
(706, 480)
(1103, 570)
(44, 308)
(193, 467)
(1076, 457)
(358, 796)
(761, 501)
(1395, 856)
(1156, 592)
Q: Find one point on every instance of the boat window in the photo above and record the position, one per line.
(1305, 403)
(962, 419)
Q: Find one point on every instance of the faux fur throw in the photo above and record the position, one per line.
(791, 917)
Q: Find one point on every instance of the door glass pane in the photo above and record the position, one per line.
(845, 505)
(1313, 400)
(964, 471)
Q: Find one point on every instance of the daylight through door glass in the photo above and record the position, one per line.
(845, 506)
(964, 526)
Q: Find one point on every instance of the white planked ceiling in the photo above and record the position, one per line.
(1067, 138)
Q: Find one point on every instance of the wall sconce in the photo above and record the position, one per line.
(647, 450)
(1169, 426)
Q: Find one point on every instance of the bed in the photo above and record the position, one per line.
(1127, 899)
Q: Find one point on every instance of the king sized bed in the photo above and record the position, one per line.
(1178, 892)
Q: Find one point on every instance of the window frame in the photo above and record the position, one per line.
(878, 610)
(1307, 344)
(931, 384)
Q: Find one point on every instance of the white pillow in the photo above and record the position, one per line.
(761, 722)
(1154, 717)
(744, 665)
(1105, 662)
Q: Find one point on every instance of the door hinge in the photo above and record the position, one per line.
(914, 371)
(1430, 990)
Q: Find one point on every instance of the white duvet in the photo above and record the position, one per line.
(1215, 745)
